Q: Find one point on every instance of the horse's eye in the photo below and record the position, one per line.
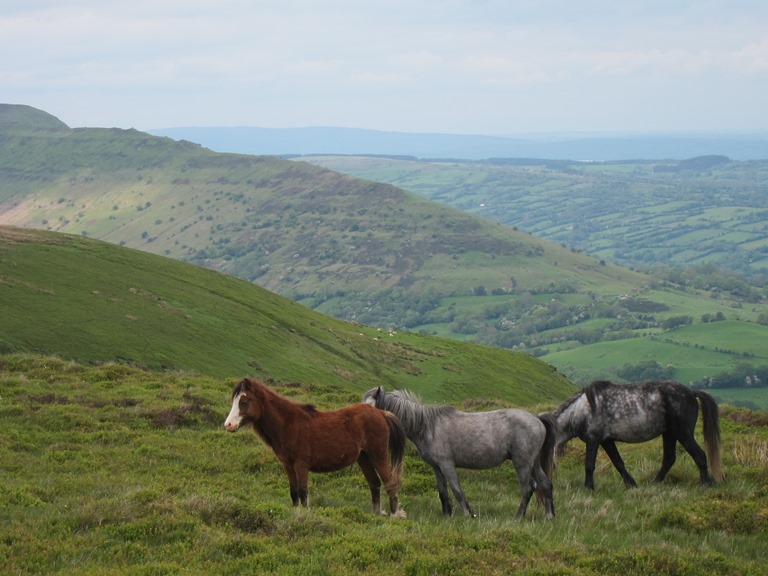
(243, 402)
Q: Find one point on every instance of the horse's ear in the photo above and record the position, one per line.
(379, 390)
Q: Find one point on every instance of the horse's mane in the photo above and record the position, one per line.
(567, 404)
(269, 396)
(414, 415)
(594, 389)
(572, 422)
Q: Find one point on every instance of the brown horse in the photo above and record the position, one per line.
(305, 439)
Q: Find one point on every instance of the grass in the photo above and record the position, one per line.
(340, 243)
(117, 470)
(609, 356)
(152, 311)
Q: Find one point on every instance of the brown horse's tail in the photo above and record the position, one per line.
(547, 453)
(711, 419)
(397, 440)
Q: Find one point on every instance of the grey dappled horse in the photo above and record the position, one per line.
(447, 438)
(604, 413)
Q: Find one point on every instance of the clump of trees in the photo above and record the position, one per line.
(645, 370)
(743, 375)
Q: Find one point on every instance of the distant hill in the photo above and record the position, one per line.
(26, 118)
(95, 302)
(296, 229)
(363, 251)
(697, 211)
(320, 140)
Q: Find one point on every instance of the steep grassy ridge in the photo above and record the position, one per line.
(93, 301)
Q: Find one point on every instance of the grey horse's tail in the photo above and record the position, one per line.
(397, 440)
(547, 453)
(710, 414)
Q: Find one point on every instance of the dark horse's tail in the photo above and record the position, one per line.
(397, 440)
(710, 415)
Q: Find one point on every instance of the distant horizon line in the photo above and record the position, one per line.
(759, 133)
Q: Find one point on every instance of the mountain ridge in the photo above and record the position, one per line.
(357, 141)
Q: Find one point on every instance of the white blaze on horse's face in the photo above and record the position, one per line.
(232, 423)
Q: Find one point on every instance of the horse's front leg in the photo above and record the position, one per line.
(300, 490)
(442, 490)
(613, 453)
(293, 482)
(590, 459)
(449, 470)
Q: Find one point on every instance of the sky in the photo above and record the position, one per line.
(496, 67)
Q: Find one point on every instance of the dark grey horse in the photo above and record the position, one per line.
(447, 438)
(604, 413)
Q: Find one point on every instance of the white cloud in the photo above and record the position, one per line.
(396, 64)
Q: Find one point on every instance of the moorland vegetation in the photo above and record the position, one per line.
(111, 469)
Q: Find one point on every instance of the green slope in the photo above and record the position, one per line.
(93, 301)
(295, 228)
(351, 248)
(706, 209)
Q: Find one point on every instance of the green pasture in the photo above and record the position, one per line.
(745, 339)
(690, 363)
(753, 398)
(112, 470)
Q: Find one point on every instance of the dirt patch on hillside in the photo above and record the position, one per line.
(11, 234)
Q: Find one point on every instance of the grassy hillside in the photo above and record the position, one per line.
(633, 213)
(92, 301)
(113, 470)
(294, 228)
(355, 249)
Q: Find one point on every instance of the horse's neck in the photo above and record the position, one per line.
(570, 419)
(413, 416)
(277, 414)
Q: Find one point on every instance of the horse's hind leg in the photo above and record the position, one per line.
(613, 453)
(374, 483)
(669, 456)
(527, 488)
(392, 487)
(524, 466)
(544, 488)
(698, 455)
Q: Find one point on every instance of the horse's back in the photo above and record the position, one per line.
(641, 412)
(353, 419)
(333, 439)
(485, 439)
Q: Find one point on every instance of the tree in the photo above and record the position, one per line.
(645, 370)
